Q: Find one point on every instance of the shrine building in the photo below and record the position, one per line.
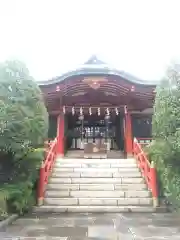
(98, 103)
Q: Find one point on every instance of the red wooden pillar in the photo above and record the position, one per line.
(128, 134)
(60, 135)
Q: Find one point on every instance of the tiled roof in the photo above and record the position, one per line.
(94, 66)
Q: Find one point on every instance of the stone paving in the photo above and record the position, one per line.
(95, 226)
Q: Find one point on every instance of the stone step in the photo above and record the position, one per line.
(55, 186)
(90, 209)
(96, 174)
(98, 201)
(119, 165)
(96, 180)
(96, 156)
(96, 165)
(90, 169)
(97, 194)
(95, 161)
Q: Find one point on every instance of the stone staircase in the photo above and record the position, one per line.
(96, 185)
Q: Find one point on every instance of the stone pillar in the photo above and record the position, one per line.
(128, 135)
(60, 135)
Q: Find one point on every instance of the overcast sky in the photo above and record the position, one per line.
(53, 36)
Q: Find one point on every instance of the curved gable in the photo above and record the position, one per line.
(94, 66)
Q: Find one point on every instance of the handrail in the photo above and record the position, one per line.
(147, 169)
(45, 170)
(48, 142)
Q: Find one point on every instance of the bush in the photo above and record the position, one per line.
(3, 204)
(168, 176)
(20, 195)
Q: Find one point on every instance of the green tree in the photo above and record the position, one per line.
(23, 116)
(23, 130)
(165, 150)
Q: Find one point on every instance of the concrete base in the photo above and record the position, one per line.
(40, 201)
(60, 155)
(129, 155)
(155, 202)
(82, 146)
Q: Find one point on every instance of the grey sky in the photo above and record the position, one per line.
(54, 36)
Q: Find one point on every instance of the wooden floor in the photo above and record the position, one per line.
(80, 154)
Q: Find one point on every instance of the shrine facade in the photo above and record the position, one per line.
(96, 103)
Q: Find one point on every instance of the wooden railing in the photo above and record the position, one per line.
(45, 170)
(147, 169)
(47, 146)
(48, 142)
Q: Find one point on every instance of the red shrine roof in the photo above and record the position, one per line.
(96, 83)
(96, 67)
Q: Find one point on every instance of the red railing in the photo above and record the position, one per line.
(48, 142)
(45, 170)
(144, 141)
(147, 169)
(47, 146)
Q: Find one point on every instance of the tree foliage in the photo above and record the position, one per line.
(23, 130)
(165, 150)
(23, 116)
